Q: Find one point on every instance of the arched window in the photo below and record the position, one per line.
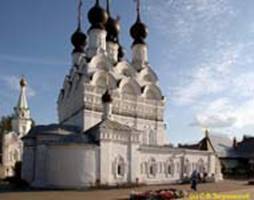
(152, 168)
(119, 170)
(119, 167)
(169, 167)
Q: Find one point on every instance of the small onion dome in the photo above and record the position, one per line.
(23, 82)
(120, 53)
(139, 32)
(78, 40)
(97, 16)
(106, 97)
(113, 29)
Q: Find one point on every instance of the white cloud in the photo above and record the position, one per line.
(243, 84)
(213, 38)
(198, 25)
(221, 92)
(216, 114)
(224, 113)
(12, 82)
(211, 77)
(183, 18)
(245, 114)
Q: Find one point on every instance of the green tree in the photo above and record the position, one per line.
(5, 124)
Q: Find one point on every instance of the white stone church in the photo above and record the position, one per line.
(111, 127)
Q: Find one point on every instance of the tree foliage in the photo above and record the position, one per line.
(5, 124)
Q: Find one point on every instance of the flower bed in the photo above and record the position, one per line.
(163, 194)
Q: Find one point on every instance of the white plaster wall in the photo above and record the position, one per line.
(28, 164)
(109, 151)
(72, 166)
(40, 166)
(122, 105)
(194, 157)
(212, 164)
(134, 159)
(178, 159)
(161, 176)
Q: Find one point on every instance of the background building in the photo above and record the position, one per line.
(235, 158)
(11, 143)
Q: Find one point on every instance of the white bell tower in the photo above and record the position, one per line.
(22, 122)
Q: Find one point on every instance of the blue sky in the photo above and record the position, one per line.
(202, 51)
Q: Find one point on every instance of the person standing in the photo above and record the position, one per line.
(194, 180)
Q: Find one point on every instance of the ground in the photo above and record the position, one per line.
(227, 186)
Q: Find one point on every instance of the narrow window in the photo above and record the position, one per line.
(119, 170)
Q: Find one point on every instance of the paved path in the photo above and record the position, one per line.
(235, 187)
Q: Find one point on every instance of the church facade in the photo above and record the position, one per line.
(111, 127)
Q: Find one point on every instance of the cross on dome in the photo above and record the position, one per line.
(78, 38)
(139, 30)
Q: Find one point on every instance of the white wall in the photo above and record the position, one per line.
(179, 161)
(72, 166)
(161, 175)
(109, 151)
(28, 164)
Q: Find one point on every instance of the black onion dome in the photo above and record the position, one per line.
(78, 39)
(113, 29)
(97, 16)
(106, 97)
(139, 32)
